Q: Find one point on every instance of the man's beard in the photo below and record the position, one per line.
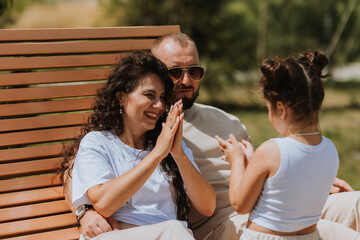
(188, 102)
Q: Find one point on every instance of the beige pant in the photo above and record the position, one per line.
(168, 230)
(249, 234)
(341, 221)
(344, 208)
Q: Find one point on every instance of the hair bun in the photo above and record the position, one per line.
(316, 60)
(273, 70)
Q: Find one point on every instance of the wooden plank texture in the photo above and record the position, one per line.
(38, 136)
(86, 33)
(16, 154)
(39, 93)
(45, 121)
(22, 49)
(22, 109)
(33, 210)
(31, 196)
(68, 233)
(28, 183)
(37, 224)
(64, 76)
(28, 167)
(9, 63)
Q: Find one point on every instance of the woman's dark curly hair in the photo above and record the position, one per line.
(106, 117)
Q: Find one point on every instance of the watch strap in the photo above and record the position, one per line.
(86, 207)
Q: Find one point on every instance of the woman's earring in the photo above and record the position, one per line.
(120, 111)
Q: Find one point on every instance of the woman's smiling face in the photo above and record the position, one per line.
(142, 107)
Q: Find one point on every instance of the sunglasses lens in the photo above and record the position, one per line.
(175, 73)
(196, 73)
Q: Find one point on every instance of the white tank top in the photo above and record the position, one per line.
(294, 197)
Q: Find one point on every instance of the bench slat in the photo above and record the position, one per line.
(22, 49)
(85, 33)
(54, 76)
(45, 107)
(68, 233)
(15, 154)
(37, 224)
(33, 210)
(31, 196)
(27, 183)
(38, 136)
(39, 93)
(28, 167)
(46, 121)
(59, 61)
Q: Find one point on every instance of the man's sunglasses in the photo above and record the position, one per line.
(196, 73)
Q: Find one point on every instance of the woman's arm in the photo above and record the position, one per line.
(92, 223)
(200, 192)
(110, 196)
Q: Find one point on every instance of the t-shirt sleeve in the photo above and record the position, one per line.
(189, 154)
(246, 136)
(91, 168)
(238, 128)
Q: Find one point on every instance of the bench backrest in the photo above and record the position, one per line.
(48, 78)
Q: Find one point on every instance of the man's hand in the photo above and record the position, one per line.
(340, 186)
(93, 224)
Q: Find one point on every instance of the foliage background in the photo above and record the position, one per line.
(233, 36)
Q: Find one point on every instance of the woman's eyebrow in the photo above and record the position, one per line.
(152, 91)
(149, 90)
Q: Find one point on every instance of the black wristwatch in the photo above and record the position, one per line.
(80, 211)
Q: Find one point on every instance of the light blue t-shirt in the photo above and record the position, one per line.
(294, 197)
(101, 157)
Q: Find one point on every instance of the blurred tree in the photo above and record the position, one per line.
(224, 30)
(4, 4)
(346, 49)
(235, 35)
(14, 9)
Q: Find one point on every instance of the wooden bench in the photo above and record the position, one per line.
(48, 78)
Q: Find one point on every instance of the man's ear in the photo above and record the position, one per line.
(281, 109)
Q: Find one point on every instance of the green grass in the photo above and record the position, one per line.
(339, 120)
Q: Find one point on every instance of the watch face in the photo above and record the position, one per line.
(80, 210)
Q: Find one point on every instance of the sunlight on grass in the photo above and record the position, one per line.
(343, 128)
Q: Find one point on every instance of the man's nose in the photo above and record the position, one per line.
(186, 80)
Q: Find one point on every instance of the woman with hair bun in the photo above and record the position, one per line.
(285, 183)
